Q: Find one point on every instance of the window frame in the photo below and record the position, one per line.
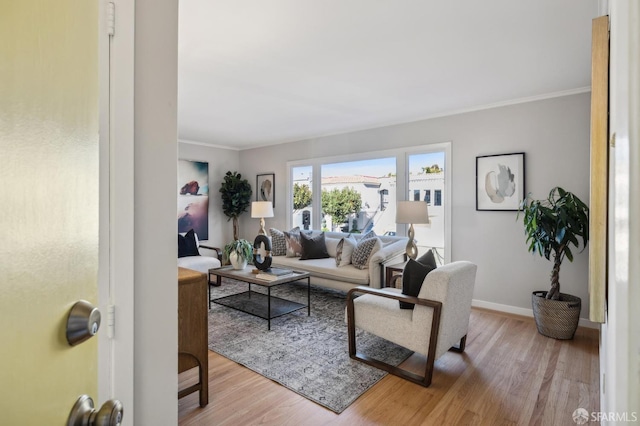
(437, 197)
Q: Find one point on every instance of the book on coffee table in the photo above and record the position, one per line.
(273, 274)
(277, 271)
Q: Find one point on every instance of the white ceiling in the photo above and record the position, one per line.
(257, 72)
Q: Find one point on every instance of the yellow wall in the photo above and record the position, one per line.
(48, 204)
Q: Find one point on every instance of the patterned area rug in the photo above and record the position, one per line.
(307, 354)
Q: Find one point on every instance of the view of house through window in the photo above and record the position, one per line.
(426, 176)
(360, 196)
(356, 196)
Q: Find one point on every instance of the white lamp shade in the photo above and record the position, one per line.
(413, 212)
(260, 209)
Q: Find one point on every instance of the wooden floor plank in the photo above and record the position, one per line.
(508, 375)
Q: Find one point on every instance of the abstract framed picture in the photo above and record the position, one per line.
(500, 181)
(266, 188)
(193, 197)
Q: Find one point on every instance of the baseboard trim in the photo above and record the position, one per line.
(523, 311)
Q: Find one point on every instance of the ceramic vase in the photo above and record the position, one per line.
(238, 262)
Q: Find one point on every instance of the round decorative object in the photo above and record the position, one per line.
(258, 261)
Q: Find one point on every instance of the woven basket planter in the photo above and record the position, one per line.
(556, 318)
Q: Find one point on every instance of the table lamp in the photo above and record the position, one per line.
(261, 209)
(412, 212)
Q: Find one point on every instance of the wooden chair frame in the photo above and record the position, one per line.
(424, 380)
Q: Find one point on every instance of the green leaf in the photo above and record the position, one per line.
(554, 224)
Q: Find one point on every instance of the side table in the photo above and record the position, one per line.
(391, 270)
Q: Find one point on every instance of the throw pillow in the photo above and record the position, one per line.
(370, 234)
(278, 242)
(344, 251)
(364, 250)
(313, 247)
(412, 279)
(292, 240)
(187, 245)
(332, 245)
(428, 259)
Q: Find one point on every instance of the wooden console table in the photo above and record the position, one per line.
(193, 332)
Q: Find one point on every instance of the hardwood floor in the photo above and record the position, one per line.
(508, 375)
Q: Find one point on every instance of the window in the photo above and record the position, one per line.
(354, 194)
(426, 175)
(302, 196)
(359, 193)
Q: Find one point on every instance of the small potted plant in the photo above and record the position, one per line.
(552, 226)
(238, 252)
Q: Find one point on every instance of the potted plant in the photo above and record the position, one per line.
(236, 198)
(238, 252)
(552, 226)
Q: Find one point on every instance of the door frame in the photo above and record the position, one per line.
(116, 246)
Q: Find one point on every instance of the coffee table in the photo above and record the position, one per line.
(259, 304)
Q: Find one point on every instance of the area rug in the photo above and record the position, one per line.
(307, 354)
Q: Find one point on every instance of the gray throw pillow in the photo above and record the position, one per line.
(278, 243)
(428, 259)
(370, 234)
(313, 247)
(364, 250)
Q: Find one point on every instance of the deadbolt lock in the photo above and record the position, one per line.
(83, 322)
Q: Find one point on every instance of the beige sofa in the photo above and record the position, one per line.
(324, 272)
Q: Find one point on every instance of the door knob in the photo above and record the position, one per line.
(83, 413)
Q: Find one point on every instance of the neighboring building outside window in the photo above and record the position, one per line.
(373, 183)
(437, 194)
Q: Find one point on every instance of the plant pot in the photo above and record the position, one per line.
(238, 262)
(556, 318)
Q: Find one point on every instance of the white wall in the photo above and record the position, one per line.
(220, 162)
(554, 134)
(155, 252)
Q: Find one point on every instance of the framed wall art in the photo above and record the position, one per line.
(193, 197)
(266, 188)
(500, 182)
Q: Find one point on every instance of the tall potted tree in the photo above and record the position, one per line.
(552, 226)
(236, 198)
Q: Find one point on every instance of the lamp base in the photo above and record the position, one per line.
(412, 249)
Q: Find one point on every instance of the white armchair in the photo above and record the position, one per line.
(438, 322)
(210, 257)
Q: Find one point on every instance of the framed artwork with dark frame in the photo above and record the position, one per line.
(266, 188)
(500, 182)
